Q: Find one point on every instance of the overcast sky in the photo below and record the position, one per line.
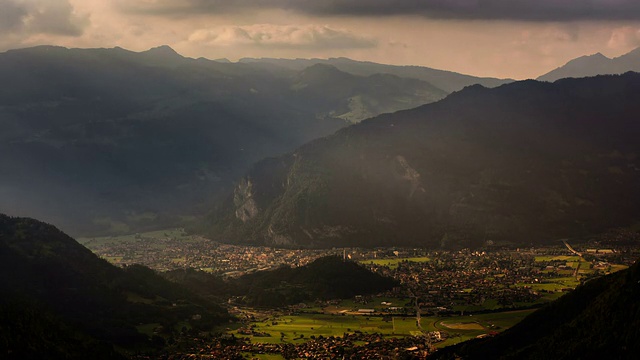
(502, 38)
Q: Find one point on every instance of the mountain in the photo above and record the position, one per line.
(448, 81)
(354, 98)
(103, 141)
(600, 319)
(596, 64)
(28, 331)
(325, 279)
(528, 162)
(58, 299)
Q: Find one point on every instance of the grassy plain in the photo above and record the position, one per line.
(463, 328)
(299, 328)
(376, 303)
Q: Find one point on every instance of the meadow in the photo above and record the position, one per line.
(300, 328)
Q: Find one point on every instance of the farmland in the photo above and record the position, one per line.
(276, 329)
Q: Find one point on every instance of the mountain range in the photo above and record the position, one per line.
(596, 64)
(107, 141)
(103, 141)
(448, 81)
(524, 163)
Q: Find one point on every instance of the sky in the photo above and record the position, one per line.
(516, 39)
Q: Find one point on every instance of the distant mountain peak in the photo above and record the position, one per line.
(322, 72)
(322, 68)
(633, 54)
(162, 50)
(595, 64)
(598, 55)
(596, 58)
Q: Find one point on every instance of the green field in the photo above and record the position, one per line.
(147, 329)
(571, 261)
(263, 356)
(299, 328)
(351, 305)
(554, 285)
(331, 325)
(616, 268)
(393, 262)
(567, 258)
(489, 322)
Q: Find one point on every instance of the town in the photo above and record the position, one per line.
(443, 281)
(443, 296)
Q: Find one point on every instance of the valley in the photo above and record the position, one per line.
(293, 336)
(461, 295)
(312, 208)
(116, 141)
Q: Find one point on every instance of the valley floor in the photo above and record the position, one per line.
(459, 295)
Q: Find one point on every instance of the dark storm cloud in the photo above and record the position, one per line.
(40, 17)
(531, 10)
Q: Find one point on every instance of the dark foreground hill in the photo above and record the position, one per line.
(59, 300)
(599, 320)
(103, 141)
(526, 162)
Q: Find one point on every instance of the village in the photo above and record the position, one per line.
(442, 281)
(442, 298)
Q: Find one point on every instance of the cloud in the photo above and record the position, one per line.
(28, 17)
(11, 15)
(624, 38)
(528, 10)
(281, 36)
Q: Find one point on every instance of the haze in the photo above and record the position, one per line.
(501, 38)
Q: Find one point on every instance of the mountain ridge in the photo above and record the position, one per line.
(523, 163)
(46, 277)
(595, 64)
(446, 80)
(109, 141)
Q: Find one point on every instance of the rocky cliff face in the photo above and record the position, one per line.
(246, 207)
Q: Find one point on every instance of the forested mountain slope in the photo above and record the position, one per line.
(524, 163)
(103, 141)
(58, 299)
